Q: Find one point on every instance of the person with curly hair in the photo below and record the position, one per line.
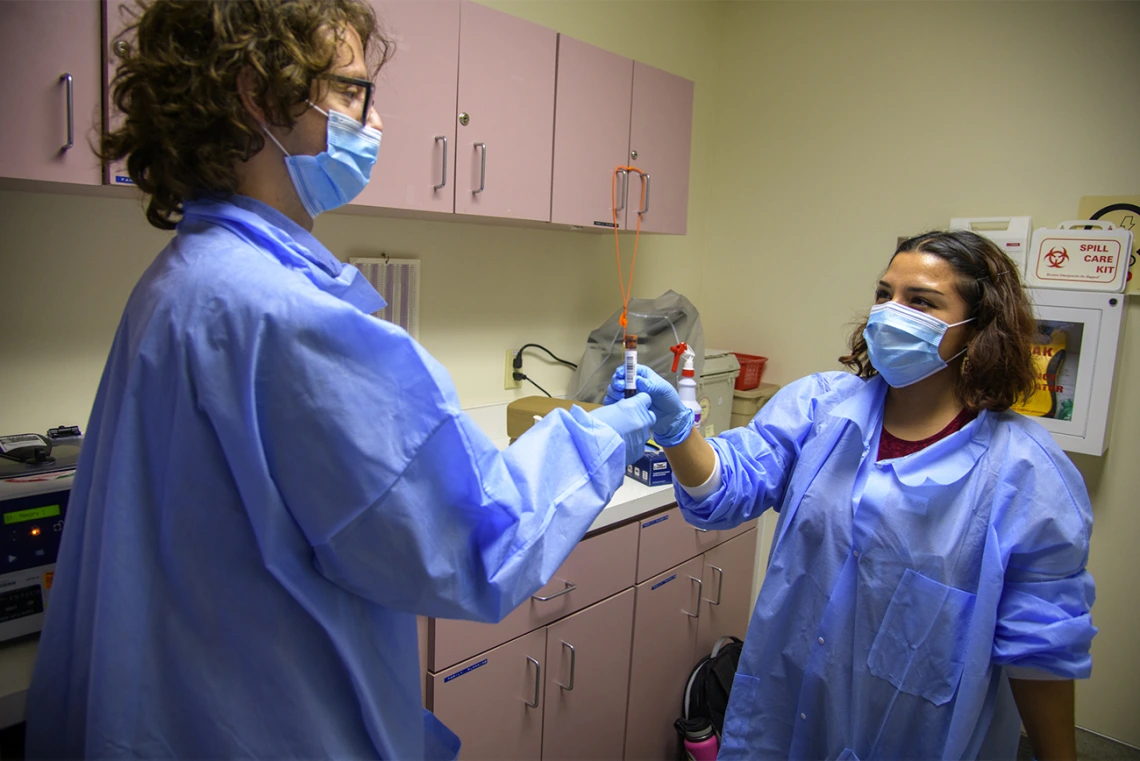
(927, 581)
(274, 483)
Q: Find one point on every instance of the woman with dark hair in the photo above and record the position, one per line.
(274, 482)
(927, 580)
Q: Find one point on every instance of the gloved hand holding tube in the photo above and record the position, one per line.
(674, 419)
(632, 419)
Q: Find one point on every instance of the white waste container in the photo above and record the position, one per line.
(714, 392)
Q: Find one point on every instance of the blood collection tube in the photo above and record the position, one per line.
(630, 366)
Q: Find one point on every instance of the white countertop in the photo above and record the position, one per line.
(632, 500)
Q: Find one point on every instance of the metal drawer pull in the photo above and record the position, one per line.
(443, 182)
(702, 530)
(70, 112)
(624, 189)
(569, 588)
(700, 594)
(537, 682)
(573, 660)
(645, 181)
(719, 586)
(483, 171)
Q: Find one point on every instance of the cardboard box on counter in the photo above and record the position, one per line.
(521, 412)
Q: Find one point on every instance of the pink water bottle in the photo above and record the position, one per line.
(699, 739)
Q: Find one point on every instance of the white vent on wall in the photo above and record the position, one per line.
(398, 281)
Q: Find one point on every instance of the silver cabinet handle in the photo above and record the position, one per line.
(569, 588)
(573, 659)
(719, 586)
(483, 170)
(702, 530)
(537, 682)
(624, 189)
(443, 182)
(700, 593)
(645, 181)
(70, 111)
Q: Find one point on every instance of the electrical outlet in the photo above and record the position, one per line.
(509, 381)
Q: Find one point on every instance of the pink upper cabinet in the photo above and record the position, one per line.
(661, 127)
(117, 15)
(505, 138)
(591, 133)
(415, 97)
(49, 52)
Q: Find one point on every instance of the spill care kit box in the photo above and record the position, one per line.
(652, 469)
(1081, 255)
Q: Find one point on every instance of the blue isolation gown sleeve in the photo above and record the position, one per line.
(403, 499)
(1044, 522)
(757, 460)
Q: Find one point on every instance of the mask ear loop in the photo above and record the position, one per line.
(275, 140)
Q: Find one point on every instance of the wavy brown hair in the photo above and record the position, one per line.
(185, 128)
(998, 370)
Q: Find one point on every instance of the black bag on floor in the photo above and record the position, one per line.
(706, 692)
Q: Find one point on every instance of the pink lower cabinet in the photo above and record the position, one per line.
(666, 624)
(587, 681)
(727, 591)
(601, 566)
(494, 701)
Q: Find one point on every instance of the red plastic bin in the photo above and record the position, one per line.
(751, 370)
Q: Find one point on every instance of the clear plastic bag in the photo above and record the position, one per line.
(658, 324)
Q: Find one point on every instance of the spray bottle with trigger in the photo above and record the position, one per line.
(687, 386)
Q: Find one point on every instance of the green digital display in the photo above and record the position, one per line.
(31, 514)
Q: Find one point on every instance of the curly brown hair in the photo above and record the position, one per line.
(998, 370)
(185, 128)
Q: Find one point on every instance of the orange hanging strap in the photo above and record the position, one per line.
(626, 289)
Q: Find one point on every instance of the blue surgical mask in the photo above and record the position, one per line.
(337, 174)
(903, 343)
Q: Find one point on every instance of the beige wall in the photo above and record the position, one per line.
(68, 262)
(821, 132)
(840, 126)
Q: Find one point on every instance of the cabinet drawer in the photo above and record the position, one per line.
(599, 567)
(666, 540)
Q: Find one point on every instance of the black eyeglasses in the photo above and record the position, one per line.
(354, 82)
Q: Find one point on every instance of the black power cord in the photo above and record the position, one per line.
(516, 363)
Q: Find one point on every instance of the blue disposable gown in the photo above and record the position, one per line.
(899, 595)
(273, 484)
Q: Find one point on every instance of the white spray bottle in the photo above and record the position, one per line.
(687, 386)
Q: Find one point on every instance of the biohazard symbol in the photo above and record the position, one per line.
(1057, 257)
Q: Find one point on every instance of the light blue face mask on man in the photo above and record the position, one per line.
(337, 174)
(903, 343)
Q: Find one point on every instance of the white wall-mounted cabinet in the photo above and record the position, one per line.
(1077, 347)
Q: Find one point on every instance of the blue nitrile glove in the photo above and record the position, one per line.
(632, 419)
(674, 419)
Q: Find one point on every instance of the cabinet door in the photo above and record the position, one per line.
(415, 97)
(49, 53)
(591, 133)
(503, 154)
(664, 643)
(587, 682)
(661, 126)
(726, 605)
(117, 15)
(494, 701)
